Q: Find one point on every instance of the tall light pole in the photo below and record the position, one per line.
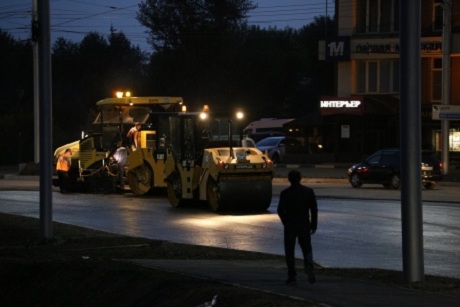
(410, 120)
(36, 87)
(446, 80)
(45, 112)
(239, 116)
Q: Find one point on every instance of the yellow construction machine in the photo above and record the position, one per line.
(196, 156)
(92, 166)
(206, 163)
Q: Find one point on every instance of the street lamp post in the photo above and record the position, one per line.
(446, 80)
(239, 115)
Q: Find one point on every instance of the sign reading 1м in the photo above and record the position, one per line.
(448, 112)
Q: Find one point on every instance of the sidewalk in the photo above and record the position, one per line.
(269, 276)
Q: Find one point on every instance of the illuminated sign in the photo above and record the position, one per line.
(394, 47)
(341, 105)
(338, 48)
(342, 48)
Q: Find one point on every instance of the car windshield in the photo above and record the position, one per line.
(248, 143)
(115, 114)
(268, 142)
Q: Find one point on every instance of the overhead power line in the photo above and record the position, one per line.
(73, 18)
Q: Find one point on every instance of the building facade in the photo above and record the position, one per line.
(363, 116)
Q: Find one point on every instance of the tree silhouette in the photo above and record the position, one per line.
(176, 23)
(86, 72)
(16, 86)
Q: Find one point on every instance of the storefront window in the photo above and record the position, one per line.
(454, 140)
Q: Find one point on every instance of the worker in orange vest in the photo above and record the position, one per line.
(63, 167)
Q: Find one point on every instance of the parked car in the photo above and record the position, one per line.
(384, 167)
(276, 147)
(258, 136)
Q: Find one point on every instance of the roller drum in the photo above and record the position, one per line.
(244, 195)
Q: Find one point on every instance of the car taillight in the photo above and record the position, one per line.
(440, 165)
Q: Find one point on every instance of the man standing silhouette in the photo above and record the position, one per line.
(298, 211)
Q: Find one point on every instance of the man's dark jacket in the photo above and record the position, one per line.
(296, 203)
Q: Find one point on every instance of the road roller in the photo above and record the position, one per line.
(206, 165)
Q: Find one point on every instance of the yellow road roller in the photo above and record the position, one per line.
(207, 164)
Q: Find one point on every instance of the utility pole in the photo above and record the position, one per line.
(446, 80)
(35, 71)
(325, 21)
(410, 119)
(45, 113)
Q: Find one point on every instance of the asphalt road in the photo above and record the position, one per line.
(357, 227)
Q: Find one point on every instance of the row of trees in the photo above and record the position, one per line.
(203, 51)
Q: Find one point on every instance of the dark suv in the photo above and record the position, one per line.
(383, 167)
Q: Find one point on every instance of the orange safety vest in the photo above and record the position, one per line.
(63, 163)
